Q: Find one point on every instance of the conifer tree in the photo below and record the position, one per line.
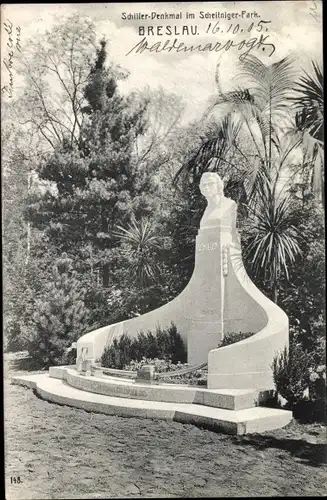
(98, 184)
(115, 188)
(60, 318)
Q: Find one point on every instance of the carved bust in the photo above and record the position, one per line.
(220, 211)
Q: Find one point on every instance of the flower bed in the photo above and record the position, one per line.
(197, 377)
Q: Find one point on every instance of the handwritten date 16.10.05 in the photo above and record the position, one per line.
(234, 29)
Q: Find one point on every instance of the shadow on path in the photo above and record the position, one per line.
(22, 362)
(313, 454)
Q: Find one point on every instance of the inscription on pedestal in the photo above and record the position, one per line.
(208, 246)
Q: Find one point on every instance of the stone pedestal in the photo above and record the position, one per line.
(205, 328)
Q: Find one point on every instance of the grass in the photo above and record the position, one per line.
(61, 452)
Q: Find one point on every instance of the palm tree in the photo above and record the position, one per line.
(141, 248)
(309, 103)
(261, 107)
(252, 124)
(220, 146)
(274, 242)
(311, 99)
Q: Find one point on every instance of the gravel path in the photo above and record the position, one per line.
(60, 452)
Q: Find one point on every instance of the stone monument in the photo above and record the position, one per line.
(219, 298)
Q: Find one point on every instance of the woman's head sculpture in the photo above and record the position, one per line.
(211, 185)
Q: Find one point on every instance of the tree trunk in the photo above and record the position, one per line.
(28, 243)
(105, 275)
(275, 293)
(105, 266)
(28, 236)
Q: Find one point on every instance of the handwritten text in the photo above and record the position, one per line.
(13, 43)
(245, 46)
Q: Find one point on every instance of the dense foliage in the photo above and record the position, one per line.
(232, 337)
(59, 316)
(291, 373)
(165, 344)
(301, 381)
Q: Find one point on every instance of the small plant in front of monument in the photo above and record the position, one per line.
(165, 344)
(118, 354)
(317, 385)
(300, 377)
(291, 372)
(233, 337)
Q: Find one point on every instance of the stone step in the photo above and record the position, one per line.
(229, 399)
(244, 421)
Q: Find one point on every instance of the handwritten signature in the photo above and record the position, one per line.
(246, 46)
(13, 43)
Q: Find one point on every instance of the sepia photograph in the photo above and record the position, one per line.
(163, 234)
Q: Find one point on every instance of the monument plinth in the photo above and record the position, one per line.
(219, 298)
(206, 314)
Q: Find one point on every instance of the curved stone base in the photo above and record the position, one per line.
(228, 399)
(242, 421)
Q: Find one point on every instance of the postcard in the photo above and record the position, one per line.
(163, 249)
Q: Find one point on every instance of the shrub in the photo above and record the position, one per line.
(317, 384)
(59, 319)
(233, 337)
(291, 372)
(170, 345)
(118, 354)
(166, 344)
